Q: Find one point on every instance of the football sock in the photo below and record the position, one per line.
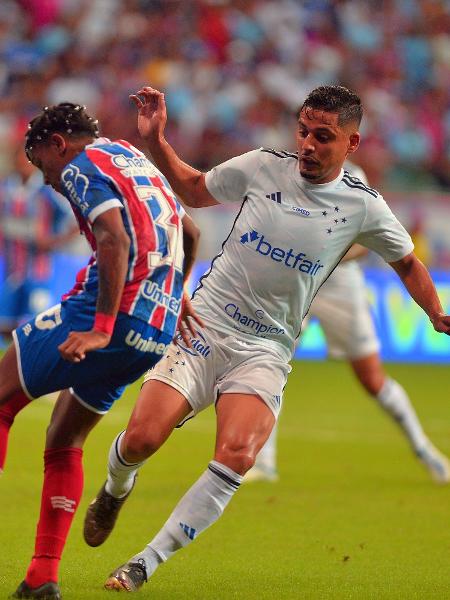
(199, 508)
(7, 414)
(267, 456)
(120, 472)
(61, 493)
(394, 399)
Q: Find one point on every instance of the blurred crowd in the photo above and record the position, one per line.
(235, 71)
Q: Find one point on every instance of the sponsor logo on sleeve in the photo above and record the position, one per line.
(76, 185)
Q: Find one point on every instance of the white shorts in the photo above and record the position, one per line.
(347, 324)
(219, 364)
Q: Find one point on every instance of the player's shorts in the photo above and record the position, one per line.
(99, 379)
(219, 364)
(21, 298)
(347, 324)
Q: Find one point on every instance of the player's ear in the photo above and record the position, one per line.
(353, 142)
(58, 142)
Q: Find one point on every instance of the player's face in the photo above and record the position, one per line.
(43, 158)
(323, 144)
(51, 158)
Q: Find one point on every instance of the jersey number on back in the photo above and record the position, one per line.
(170, 231)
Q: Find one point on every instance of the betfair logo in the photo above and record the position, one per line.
(290, 258)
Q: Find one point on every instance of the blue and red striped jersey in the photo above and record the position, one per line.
(110, 174)
(29, 211)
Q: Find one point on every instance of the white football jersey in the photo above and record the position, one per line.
(287, 238)
(347, 278)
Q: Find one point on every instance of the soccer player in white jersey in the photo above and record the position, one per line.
(342, 308)
(298, 218)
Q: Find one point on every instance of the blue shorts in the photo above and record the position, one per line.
(99, 379)
(22, 298)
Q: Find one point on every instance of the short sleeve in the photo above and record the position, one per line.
(180, 210)
(383, 233)
(92, 195)
(229, 181)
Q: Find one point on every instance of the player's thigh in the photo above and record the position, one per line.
(134, 347)
(255, 371)
(41, 367)
(190, 371)
(158, 410)
(348, 326)
(244, 422)
(98, 380)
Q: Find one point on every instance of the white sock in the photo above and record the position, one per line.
(199, 508)
(120, 473)
(395, 401)
(267, 456)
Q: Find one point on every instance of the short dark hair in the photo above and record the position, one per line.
(335, 99)
(65, 118)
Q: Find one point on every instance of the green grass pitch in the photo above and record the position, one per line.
(354, 515)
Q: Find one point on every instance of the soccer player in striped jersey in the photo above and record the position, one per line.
(114, 324)
(299, 215)
(342, 308)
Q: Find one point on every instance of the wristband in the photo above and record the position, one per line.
(104, 323)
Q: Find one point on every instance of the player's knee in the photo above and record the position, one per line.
(238, 457)
(139, 443)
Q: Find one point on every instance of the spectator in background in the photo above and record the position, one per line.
(35, 220)
(234, 61)
(419, 238)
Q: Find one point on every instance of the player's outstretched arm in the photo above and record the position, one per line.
(188, 183)
(113, 246)
(419, 284)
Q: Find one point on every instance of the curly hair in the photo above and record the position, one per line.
(335, 99)
(65, 118)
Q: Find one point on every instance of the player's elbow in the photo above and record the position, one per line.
(196, 195)
(405, 266)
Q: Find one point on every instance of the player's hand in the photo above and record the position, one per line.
(79, 342)
(441, 323)
(152, 114)
(187, 320)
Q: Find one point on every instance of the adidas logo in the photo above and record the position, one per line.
(189, 531)
(275, 196)
(63, 503)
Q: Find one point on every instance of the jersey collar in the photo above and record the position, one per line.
(319, 186)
